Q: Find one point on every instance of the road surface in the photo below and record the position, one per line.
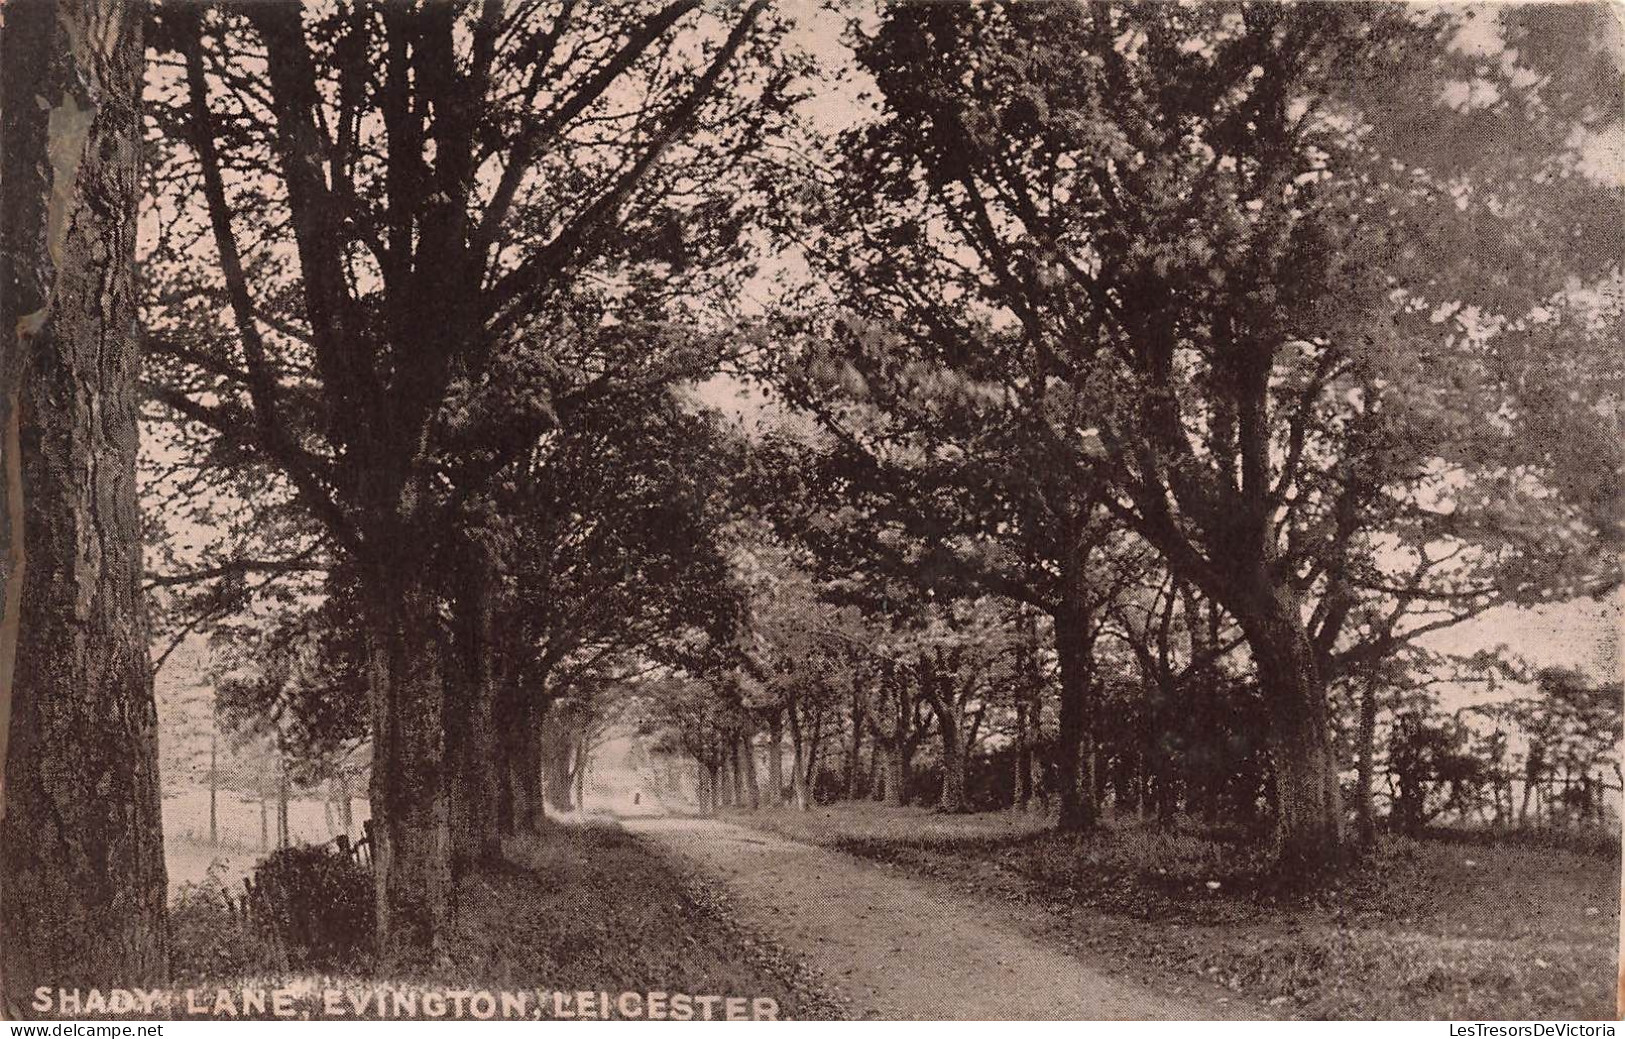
(894, 946)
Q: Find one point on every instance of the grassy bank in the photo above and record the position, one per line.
(1427, 929)
(579, 909)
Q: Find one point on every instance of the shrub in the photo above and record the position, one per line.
(319, 904)
(208, 936)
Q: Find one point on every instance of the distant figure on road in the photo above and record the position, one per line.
(637, 797)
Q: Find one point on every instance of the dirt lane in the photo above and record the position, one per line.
(893, 946)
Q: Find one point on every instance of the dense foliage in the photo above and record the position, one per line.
(1099, 419)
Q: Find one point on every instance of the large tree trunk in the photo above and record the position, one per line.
(753, 789)
(814, 750)
(1022, 760)
(1074, 743)
(936, 684)
(557, 745)
(1309, 815)
(893, 745)
(714, 775)
(938, 688)
(775, 759)
(471, 751)
(798, 781)
(412, 857)
(854, 773)
(283, 837)
(798, 763)
(736, 774)
(896, 777)
(1160, 696)
(1028, 697)
(505, 716)
(529, 811)
(1365, 773)
(82, 883)
(953, 770)
(520, 715)
(1205, 775)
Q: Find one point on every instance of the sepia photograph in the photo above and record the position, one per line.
(758, 510)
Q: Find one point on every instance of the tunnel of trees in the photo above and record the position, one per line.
(1098, 422)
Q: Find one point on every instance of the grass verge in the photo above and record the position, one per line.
(587, 909)
(1421, 929)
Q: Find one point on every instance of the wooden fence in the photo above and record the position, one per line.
(259, 898)
(361, 851)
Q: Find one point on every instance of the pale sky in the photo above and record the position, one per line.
(1582, 634)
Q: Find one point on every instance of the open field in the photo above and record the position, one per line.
(186, 815)
(1426, 929)
(191, 862)
(188, 854)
